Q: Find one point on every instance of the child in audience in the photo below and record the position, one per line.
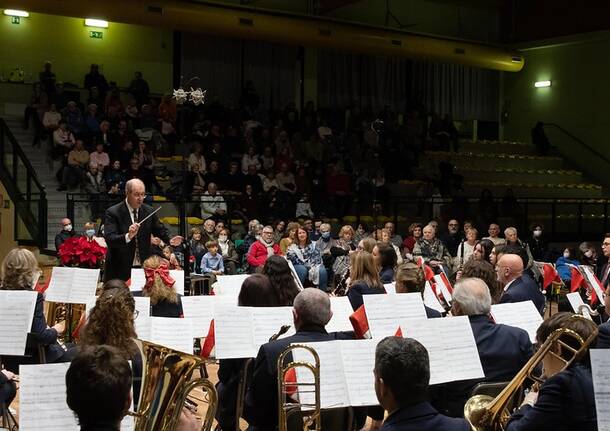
(212, 262)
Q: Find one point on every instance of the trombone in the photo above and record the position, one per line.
(485, 413)
(312, 419)
(166, 383)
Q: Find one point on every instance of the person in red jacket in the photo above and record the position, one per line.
(263, 248)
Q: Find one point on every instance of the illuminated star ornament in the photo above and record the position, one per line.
(180, 95)
(196, 96)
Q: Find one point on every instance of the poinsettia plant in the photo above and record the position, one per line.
(81, 252)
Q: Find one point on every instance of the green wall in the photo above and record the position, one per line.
(578, 99)
(65, 42)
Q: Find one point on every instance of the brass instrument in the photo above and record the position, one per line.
(166, 383)
(311, 411)
(485, 413)
(587, 307)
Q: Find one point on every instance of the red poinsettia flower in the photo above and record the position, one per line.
(81, 252)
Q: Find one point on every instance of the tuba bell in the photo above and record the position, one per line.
(166, 383)
(485, 413)
(310, 408)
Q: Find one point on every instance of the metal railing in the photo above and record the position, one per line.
(25, 190)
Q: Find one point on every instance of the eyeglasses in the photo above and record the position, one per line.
(605, 244)
(267, 232)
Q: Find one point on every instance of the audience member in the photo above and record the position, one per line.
(209, 231)
(395, 239)
(466, 248)
(453, 237)
(562, 265)
(385, 237)
(227, 250)
(415, 232)
(213, 205)
(212, 262)
(307, 260)
(432, 250)
(76, 168)
(494, 231)
(537, 244)
(262, 248)
(67, 231)
(290, 236)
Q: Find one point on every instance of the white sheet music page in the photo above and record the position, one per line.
(199, 309)
(174, 333)
(233, 332)
(137, 280)
(229, 284)
(72, 285)
(333, 387)
(341, 309)
(430, 299)
(42, 399)
(600, 368)
(451, 347)
(268, 321)
(522, 315)
(142, 325)
(358, 363)
(142, 305)
(178, 275)
(576, 302)
(440, 283)
(385, 312)
(16, 315)
(390, 288)
(593, 281)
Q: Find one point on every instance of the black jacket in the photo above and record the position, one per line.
(62, 236)
(420, 417)
(260, 409)
(603, 336)
(524, 288)
(356, 291)
(120, 254)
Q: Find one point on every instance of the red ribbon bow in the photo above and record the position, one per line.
(163, 272)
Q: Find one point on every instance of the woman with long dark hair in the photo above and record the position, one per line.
(281, 279)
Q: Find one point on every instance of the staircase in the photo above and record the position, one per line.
(45, 170)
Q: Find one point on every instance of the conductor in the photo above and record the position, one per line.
(129, 239)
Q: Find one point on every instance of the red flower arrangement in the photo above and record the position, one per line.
(82, 253)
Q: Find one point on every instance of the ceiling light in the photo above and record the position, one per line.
(14, 12)
(542, 84)
(90, 22)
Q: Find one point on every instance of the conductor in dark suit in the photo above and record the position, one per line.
(503, 349)
(311, 313)
(128, 239)
(518, 286)
(402, 375)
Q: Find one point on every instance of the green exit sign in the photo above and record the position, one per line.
(96, 34)
(15, 20)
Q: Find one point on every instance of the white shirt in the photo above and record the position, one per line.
(508, 284)
(130, 209)
(496, 240)
(209, 205)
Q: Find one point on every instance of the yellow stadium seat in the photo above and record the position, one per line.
(350, 219)
(163, 159)
(366, 219)
(196, 221)
(236, 221)
(177, 158)
(173, 221)
(157, 198)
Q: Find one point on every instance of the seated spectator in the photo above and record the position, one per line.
(196, 247)
(342, 250)
(20, 271)
(394, 237)
(279, 231)
(209, 231)
(136, 171)
(74, 118)
(194, 182)
(262, 249)
(410, 278)
(385, 259)
(415, 232)
(172, 259)
(269, 181)
(267, 160)
(76, 168)
(253, 178)
(285, 180)
(386, 237)
(67, 231)
(99, 157)
(307, 260)
(432, 250)
(494, 232)
(402, 375)
(115, 175)
(92, 120)
(227, 250)
(466, 248)
(562, 265)
(303, 181)
(325, 242)
(63, 140)
(212, 263)
(164, 300)
(364, 278)
(94, 180)
(503, 349)
(290, 236)
(51, 119)
(213, 205)
(197, 159)
(361, 232)
(282, 279)
(304, 208)
(234, 181)
(311, 313)
(255, 229)
(250, 158)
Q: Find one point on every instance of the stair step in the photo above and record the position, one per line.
(498, 147)
(500, 160)
(521, 175)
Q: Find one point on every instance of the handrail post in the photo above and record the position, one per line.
(580, 219)
(70, 206)
(554, 218)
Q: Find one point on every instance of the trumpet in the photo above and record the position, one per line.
(166, 383)
(311, 410)
(485, 413)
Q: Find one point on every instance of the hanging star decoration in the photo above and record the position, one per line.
(198, 96)
(195, 96)
(180, 95)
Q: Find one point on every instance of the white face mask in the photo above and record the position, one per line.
(222, 238)
(68, 228)
(566, 254)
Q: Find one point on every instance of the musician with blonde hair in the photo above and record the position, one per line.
(364, 278)
(160, 287)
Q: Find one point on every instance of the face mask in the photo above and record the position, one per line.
(326, 235)
(90, 232)
(566, 255)
(538, 233)
(68, 227)
(222, 238)
(589, 253)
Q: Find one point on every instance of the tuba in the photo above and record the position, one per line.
(485, 413)
(166, 383)
(311, 407)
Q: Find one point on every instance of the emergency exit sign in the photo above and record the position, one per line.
(96, 34)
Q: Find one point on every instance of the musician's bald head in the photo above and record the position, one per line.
(136, 192)
(509, 267)
(311, 307)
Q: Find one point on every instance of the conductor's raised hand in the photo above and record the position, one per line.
(133, 230)
(176, 241)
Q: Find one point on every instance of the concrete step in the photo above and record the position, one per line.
(500, 160)
(533, 190)
(545, 176)
(498, 147)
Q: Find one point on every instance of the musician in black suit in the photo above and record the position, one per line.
(566, 400)
(128, 240)
(311, 313)
(503, 349)
(8, 389)
(402, 375)
(518, 286)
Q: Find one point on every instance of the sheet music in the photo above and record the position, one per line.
(593, 281)
(72, 285)
(576, 301)
(170, 332)
(138, 280)
(42, 400)
(143, 327)
(522, 315)
(358, 362)
(16, 316)
(451, 347)
(341, 309)
(385, 312)
(233, 332)
(440, 283)
(600, 369)
(430, 299)
(267, 322)
(200, 310)
(229, 284)
(390, 288)
(333, 387)
(142, 305)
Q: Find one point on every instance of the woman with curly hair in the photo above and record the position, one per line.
(111, 322)
(282, 279)
(164, 300)
(20, 271)
(485, 271)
